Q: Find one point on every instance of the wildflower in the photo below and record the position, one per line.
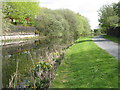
(44, 66)
(50, 65)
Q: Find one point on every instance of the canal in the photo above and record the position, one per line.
(18, 60)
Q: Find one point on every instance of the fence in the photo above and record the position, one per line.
(114, 31)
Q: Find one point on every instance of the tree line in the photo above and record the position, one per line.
(109, 17)
(60, 23)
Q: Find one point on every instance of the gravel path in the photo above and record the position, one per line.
(107, 45)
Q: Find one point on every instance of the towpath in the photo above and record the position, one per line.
(107, 45)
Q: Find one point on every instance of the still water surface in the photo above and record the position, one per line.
(20, 58)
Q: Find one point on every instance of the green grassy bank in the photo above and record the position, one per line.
(112, 38)
(86, 66)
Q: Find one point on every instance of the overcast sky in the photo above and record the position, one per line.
(87, 8)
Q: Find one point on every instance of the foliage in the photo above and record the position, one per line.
(84, 27)
(40, 81)
(71, 18)
(109, 16)
(43, 72)
(117, 8)
(61, 23)
(45, 66)
(49, 24)
(47, 49)
(97, 32)
(113, 21)
(21, 12)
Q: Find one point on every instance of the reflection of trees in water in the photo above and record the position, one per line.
(18, 60)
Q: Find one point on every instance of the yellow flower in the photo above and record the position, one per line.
(54, 53)
(44, 66)
(50, 65)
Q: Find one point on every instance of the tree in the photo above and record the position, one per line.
(117, 8)
(72, 20)
(21, 12)
(108, 17)
(62, 23)
(84, 27)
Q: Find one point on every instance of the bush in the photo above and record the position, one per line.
(62, 23)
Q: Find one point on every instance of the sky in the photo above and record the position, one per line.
(87, 8)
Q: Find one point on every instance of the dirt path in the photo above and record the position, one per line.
(107, 45)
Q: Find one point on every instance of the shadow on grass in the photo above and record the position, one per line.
(101, 40)
(83, 41)
(91, 40)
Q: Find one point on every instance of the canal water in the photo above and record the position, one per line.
(19, 59)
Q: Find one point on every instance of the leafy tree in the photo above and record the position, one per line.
(84, 27)
(49, 23)
(62, 23)
(21, 12)
(97, 32)
(113, 21)
(108, 17)
(117, 8)
(72, 20)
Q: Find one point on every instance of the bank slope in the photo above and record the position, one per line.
(86, 66)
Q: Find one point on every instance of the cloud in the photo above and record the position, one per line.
(88, 8)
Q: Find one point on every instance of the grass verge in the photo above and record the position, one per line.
(112, 38)
(86, 66)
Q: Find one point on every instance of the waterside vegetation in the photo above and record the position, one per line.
(33, 65)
